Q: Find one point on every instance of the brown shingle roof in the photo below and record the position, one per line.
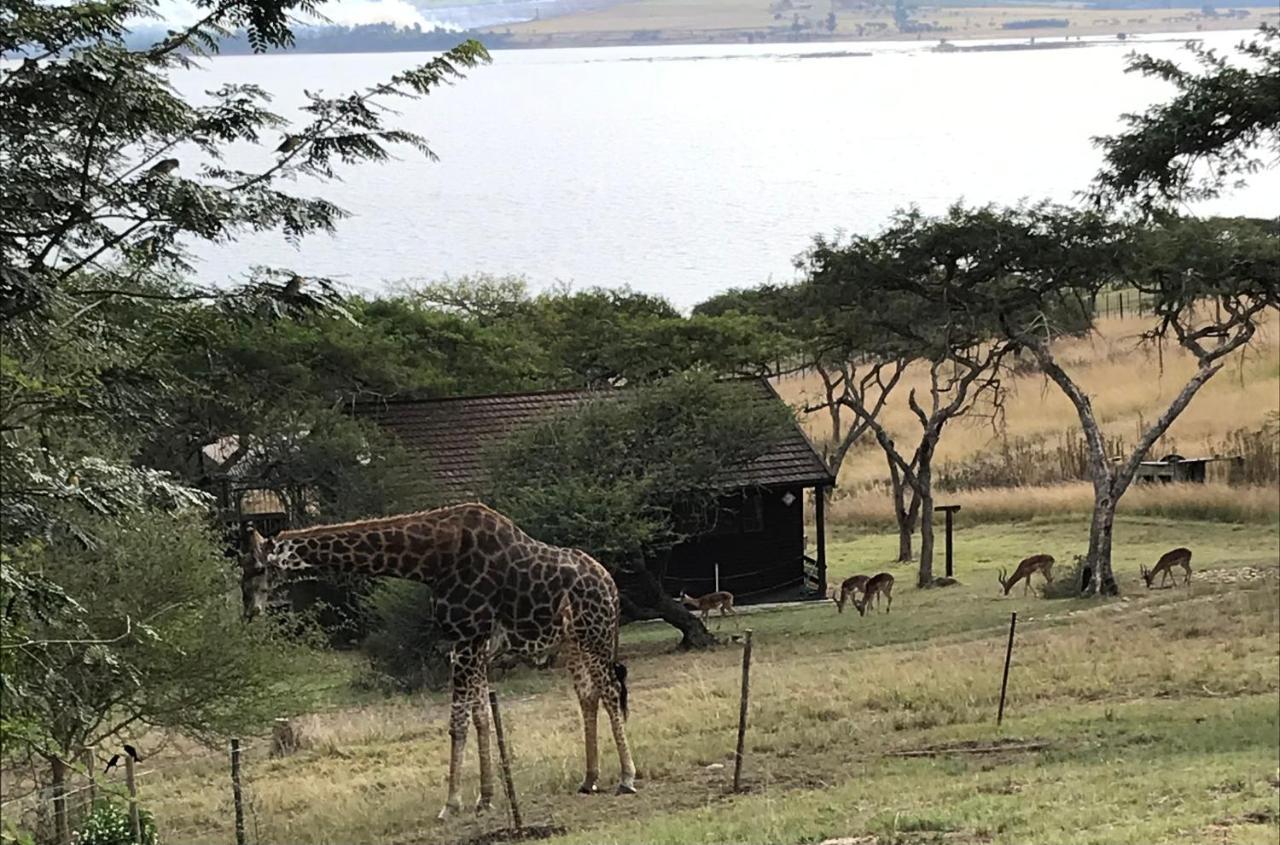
(453, 434)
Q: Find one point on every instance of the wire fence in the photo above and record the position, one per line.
(53, 802)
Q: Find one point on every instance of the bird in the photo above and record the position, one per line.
(289, 144)
(132, 752)
(112, 763)
(294, 286)
(163, 167)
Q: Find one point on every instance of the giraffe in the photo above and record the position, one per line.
(488, 578)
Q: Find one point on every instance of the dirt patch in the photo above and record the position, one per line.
(524, 834)
(1234, 575)
(1000, 746)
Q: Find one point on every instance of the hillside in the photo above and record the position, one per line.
(738, 21)
(1129, 384)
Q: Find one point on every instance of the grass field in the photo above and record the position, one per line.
(647, 21)
(1157, 719)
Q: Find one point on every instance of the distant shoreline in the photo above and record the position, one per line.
(1006, 37)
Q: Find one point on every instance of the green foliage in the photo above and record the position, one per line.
(108, 824)
(404, 648)
(627, 476)
(152, 637)
(931, 286)
(1215, 129)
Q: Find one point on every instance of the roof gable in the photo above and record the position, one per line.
(452, 436)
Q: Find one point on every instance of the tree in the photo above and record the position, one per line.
(94, 298)
(900, 297)
(1030, 274)
(1210, 282)
(151, 640)
(628, 478)
(1211, 131)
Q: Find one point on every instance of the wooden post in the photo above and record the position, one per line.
(742, 713)
(135, 826)
(717, 577)
(1008, 656)
(947, 511)
(61, 830)
(236, 795)
(90, 769)
(508, 783)
(819, 524)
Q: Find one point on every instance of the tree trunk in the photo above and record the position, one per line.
(905, 514)
(645, 593)
(1102, 580)
(907, 519)
(924, 499)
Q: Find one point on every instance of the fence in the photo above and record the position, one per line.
(53, 805)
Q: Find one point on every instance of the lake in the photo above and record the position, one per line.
(685, 170)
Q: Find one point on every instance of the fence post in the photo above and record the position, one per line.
(235, 790)
(717, 577)
(135, 826)
(742, 713)
(508, 783)
(1008, 656)
(90, 766)
(61, 830)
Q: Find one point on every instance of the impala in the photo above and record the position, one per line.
(722, 600)
(876, 586)
(1164, 566)
(848, 588)
(1036, 563)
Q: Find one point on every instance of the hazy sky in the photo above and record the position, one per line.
(348, 12)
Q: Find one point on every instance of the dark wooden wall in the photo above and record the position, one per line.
(757, 557)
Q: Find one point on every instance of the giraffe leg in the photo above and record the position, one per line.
(606, 683)
(480, 717)
(466, 662)
(589, 702)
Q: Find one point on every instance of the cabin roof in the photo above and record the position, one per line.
(453, 434)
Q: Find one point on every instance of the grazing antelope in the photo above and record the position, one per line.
(722, 600)
(876, 586)
(850, 587)
(1036, 563)
(1164, 567)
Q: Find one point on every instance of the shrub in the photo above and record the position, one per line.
(404, 646)
(108, 824)
(1066, 580)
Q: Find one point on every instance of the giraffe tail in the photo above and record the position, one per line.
(620, 675)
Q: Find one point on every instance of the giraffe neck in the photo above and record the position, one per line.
(396, 551)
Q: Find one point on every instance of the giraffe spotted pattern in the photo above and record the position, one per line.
(489, 579)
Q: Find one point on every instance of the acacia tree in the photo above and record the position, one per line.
(1213, 131)
(1210, 282)
(898, 296)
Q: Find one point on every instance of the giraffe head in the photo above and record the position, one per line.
(267, 555)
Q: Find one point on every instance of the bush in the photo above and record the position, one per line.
(108, 824)
(1066, 580)
(405, 648)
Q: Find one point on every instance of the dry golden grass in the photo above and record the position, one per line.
(1127, 385)
(873, 508)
